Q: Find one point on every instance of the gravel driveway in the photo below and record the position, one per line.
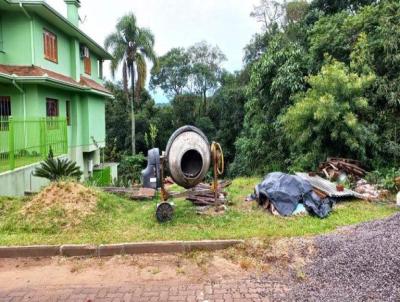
(360, 263)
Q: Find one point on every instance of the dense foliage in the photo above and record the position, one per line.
(322, 79)
(301, 108)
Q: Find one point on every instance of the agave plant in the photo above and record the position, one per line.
(55, 169)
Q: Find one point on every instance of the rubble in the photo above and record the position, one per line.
(370, 192)
(132, 193)
(333, 168)
(202, 194)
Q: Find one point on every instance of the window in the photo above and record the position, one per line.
(50, 46)
(88, 65)
(51, 107)
(5, 106)
(100, 68)
(68, 112)
(5, 112)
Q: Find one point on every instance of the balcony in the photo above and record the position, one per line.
(27, 141)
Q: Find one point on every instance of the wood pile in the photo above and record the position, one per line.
(132, 193)
(202, 194)
(333, 167)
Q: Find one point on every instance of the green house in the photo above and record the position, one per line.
(51, 92)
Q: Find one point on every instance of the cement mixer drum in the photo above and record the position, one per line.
(188, 156)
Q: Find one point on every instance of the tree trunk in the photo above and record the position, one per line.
(133, 110)
(205, 101)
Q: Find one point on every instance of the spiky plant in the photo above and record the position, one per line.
(55, 169)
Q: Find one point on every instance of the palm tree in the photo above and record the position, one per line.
(131, 46)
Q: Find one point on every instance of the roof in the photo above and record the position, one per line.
(93, 84)
(35, 72)
(327, 187)
(44, 10)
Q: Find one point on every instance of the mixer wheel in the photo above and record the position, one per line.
(165, 212)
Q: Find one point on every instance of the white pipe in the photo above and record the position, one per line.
(24, 106)
(32, 31)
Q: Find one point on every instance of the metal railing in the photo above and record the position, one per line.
(27, 141)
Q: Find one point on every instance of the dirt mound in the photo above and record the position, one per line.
(70, 200)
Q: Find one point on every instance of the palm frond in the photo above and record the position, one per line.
(55, 168)
(127, 26)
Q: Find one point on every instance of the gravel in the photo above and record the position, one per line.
(360, 263)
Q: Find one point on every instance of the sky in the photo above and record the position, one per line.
(175, 23)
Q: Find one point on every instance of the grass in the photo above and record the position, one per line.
(120, 220)
(19, 162)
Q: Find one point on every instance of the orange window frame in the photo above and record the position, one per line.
(88, 65)
(50, 46)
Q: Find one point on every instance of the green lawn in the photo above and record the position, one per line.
(121, 220)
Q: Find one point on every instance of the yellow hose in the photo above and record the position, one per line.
(215, 149)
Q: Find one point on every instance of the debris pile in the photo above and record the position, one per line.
(370, 192)
(333, 168)
(282, 194)
(71, 200)
(203, 195)
(133, 193)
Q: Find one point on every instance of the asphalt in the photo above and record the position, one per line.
(360, 263)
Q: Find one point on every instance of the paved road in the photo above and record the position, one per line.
(250, 289)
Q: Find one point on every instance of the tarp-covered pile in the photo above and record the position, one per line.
(285, 192)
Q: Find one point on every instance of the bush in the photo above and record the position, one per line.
(130, 168)
(55, 169)
(385, 178)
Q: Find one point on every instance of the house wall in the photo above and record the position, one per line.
(17, 49)
(16, 39)
(87, 109)
(87, 113)
(16, 98)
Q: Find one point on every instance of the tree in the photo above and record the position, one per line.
(296, 10)
(206, 69)
(131, 46)
(172, 73)
(185, 109)
(227, 111)
(274, 79)
(118, 138)
(326, 120)
(269, 13)
(335, 6)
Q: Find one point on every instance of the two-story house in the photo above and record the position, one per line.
(51, 91)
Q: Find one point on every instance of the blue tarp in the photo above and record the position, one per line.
(286, 191)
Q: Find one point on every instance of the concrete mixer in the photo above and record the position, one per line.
(187, 157)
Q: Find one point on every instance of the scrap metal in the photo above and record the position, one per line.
(327, 187)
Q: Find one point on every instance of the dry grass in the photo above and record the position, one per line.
(72, 199)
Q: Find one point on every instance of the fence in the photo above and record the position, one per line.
(26, 141)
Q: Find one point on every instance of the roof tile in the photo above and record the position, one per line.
(35, 71)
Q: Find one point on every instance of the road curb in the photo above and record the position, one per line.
(104, 250)
(30, 251)
(73, 250)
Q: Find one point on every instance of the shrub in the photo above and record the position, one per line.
(385, 178)
(130, 168)
(55, 169)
